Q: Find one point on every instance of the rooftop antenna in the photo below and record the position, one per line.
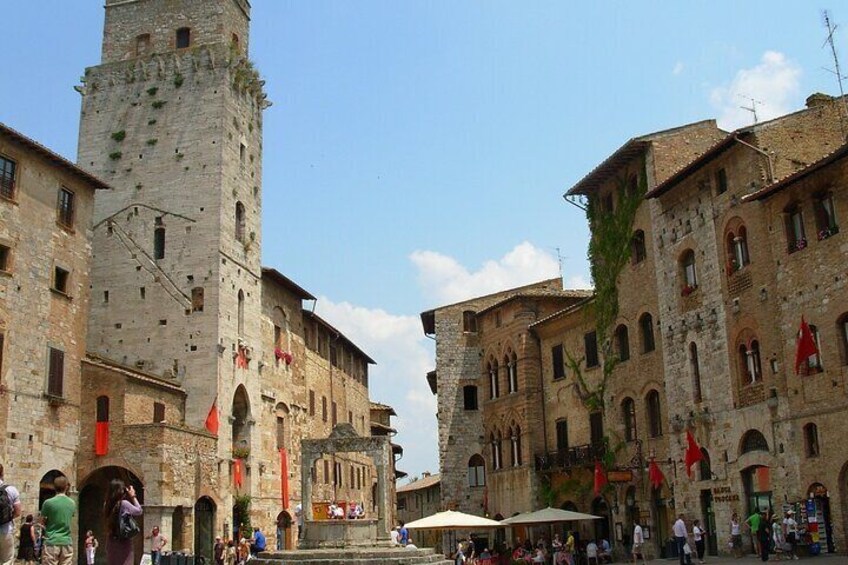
(831, 29)
(559, 260)
(753, 107)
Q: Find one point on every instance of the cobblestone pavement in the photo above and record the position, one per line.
(827, 559)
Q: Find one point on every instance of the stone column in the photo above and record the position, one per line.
(382, 526)
(307, 460)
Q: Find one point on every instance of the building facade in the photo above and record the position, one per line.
(418, 499)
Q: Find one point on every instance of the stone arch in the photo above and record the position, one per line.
(284, 525)
(45, 486)
(241, 418)
(751, 441)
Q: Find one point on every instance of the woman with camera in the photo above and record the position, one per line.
(119, 513)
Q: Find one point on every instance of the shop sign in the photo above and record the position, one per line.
(620, 476)
(724, 494)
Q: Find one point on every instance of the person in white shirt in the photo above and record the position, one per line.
(790, 533)
(7, 534)
(680, 535)
(592, 552)
(638, 541)
(736, 535)
(396, 538)
(698, 535)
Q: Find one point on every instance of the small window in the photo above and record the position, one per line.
(5, 258)
(476, 471)
(7, 178)
(324, 413)
(158, 412)
(512, 373)
(814, 362)
(737, 250)
(637, 247)
(562, 435)
(842, 332)
(690, 279)
(197, 299)
(183, 38)
(60, 280)
(721, 181)
(240, 222)
(628, 414)
(55, 372)
(646, 328)
(590, 341)
(240, 313)
(811, 440)
(335, 414)
(695, 365)
(705, 471)
(558, 362)
(350, 417)
(159, 239)
(65, 208)
(469, 322)
(311, 402)
(825, 213)
(622, 343)
(281, 432)
(596, 428)
(654, 414)
(2, 349)
(469, 395)
(142, 45)
(102, 409)
(749, 362)
(796, 238)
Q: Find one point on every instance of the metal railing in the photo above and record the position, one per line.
(577, 456)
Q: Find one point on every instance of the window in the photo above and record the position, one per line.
(637, 247)
(721, 181)
(5, 256)
(142, 45)
(476, 471)
(558, 362)
(562, 435)
(512, 373)
(240, 313)
(495, 442)
(654, 414)
(65, 208)
(705, 469)
(646, 328)
(197, 299)
(183, 38)
(326, 472)
(281, 432)
(795, 235)
(737, 249)
(311, 402)
(158, 412)
(687, 263)
(596, 428)
(749, 362)
(2, 349)
(469, 322)
(7, 178)
(622, 343)
(60, 280)
(811, 440)
(350, 417)
(753, 440)
(102, 409)
(628, 413)
(159, 239)
(240, 222)
(695, 365)
(590, 342)
(814, 362)
(324, 408)
(825, 213)
(335, 414)
(469, 395)
(494, 385)
(55, 372)
(515, 442)
(842, 332)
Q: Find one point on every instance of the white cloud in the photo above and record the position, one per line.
(577, 282)
(678, 68)
(774, 83)
(444, 280)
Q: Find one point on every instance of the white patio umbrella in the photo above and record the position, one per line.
(547, 516)
(450, 520)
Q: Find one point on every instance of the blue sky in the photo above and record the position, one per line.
(417, 151)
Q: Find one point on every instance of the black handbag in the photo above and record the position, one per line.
(127, 526)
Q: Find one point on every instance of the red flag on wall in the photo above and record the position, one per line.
(693, 453)
(284, 477)
(805, 346)
(600, 478)
(101, 438)
(212, 418)
(655, 475)
(237, 463)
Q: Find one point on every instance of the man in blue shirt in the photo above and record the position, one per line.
(258, 542)
(403, 534)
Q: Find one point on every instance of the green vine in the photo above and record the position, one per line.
(609, 253)
(241, 507)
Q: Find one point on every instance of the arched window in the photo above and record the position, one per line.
(241, 313)
(159, 238)
(494, 385)
(842, 332)
(695, 364)
(469, 396)
(515, 441)
(240, 222)
(652, 403)
(705, 471)
(622, 343)
(511, 361)
(753, 440)
(825, 213)
(796, 238)
(183, 39)
(646, 329)
(811, 440)
(476, 471)
(628, 413)
(749, 362)
(637, 247)
(687, 265)
(495, 443)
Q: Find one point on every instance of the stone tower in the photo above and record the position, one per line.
(172, 119)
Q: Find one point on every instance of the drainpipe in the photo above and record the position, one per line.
(541, 392)
(769, 164)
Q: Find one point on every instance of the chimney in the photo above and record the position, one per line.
(425, 474)
(817, 99)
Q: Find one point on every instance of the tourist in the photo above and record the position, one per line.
(121, 502)
(281, 528)
(736, 535)
(698, 536)
(790, 533)
(7, 521)
(638, 541)
(57, 513)
(231, 556)
(470, 549)
(753, 524)
(298, 514)
(218, 551)
(91, 545)
(157, 542)
(458, 557)
(403, 533)
(764, 536)
(605, 551)
(243, 553)
(26, 545)
(569, 548)
(258, 542)
(680, 536)
(592, 552)
(395, 535)
(339, 512)
(539, 558)
(778, 540)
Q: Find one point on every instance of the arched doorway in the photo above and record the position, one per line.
(204, 527)
(602, 527)
(46, 489)
(284, 524)
(661, 503)
(92, 495)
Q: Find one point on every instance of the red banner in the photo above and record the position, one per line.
(101, 438)
(284, 477)
(237, 463)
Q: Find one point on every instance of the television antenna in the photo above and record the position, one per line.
(753, 107)
(831, 29)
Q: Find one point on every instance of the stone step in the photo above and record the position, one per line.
(353, 556)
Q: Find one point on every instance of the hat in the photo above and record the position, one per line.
(790, 512)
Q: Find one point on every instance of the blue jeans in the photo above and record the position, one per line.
(155, 556)
(680, 541)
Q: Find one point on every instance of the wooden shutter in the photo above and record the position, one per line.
(56, 372)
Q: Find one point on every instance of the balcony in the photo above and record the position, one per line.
(577, 456)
